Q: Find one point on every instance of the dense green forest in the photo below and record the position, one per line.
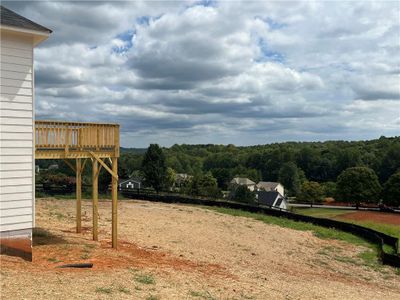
(294, 164)
(314, 161)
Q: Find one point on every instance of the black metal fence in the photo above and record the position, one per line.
(371, 235)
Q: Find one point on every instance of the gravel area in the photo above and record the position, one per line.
(169, 251)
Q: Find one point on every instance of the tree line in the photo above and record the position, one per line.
(357, 172)
(308, 170)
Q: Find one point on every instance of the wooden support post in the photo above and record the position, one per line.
(78, 195)
(95, 196)
(114, 202)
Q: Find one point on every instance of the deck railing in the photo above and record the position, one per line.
(55, 135)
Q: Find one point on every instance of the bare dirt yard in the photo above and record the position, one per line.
(169, 251)
(372, 216)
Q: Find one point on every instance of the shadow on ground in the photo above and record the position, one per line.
(44, 237)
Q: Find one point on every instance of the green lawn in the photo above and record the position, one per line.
(321, 212)
(328, 213)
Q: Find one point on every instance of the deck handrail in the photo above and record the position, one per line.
(58, 135)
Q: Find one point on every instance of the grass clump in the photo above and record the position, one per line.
(152, 297)
(202, 294)
(104, 290)
(86, 251)
(124, 290)
(145, 279)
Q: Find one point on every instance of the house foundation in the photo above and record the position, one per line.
(17, 243)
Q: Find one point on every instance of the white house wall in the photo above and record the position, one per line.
(16, 133)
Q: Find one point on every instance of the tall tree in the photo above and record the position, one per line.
(357, 185)
(290, 176)
(154, 167)
(391, 190)
(311, 192)
(390, 162)
(170, 177)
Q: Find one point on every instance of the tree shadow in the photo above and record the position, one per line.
(44, 237)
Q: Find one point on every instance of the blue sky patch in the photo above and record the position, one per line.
(268, 54)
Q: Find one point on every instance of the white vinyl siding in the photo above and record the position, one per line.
(16, 133)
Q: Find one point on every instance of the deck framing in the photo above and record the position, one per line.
(82, 141)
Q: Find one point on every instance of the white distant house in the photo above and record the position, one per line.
(243, 181)
(272, 199)
(19, 36)
(270, 186)
(130, 184)
(181, 179)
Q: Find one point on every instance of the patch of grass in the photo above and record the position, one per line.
(124, 290)
(133, 270)
(86, 251)
(104, 290)
(369, 258)
(90, 246)
(54, 260)
(346, 259)
(389, 229)
(328, 250)
(145, 279)
(152, 297)
(321, 212)
(320, 262)
(202, 294)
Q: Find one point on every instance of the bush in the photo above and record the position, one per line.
(357, 185)
(311, 192)
(329, 189)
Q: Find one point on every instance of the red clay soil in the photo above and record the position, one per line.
(128, 255)
(372, 216)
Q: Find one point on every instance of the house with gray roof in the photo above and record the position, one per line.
(270, 187)
(242, 181)
(272, 199)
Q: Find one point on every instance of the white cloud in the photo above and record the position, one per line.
(231, 72)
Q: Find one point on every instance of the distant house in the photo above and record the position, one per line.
(270, 187)
(181, 179)
(53, 167)
(271, 198)
(243, 181)
(130, 184)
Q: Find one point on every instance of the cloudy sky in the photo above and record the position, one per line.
(221, 71)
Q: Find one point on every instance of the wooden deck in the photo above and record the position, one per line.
(69, 140)
(76, 143)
